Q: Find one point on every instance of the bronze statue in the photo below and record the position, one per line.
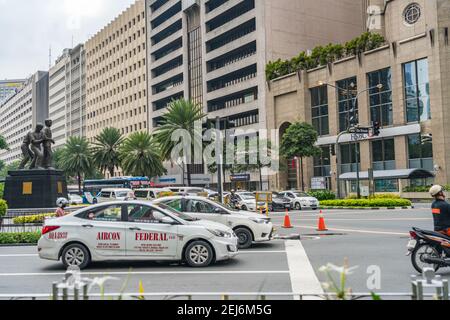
(36, 140)
(26, 152)
(47, 145)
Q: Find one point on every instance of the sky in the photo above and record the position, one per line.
(28, 28)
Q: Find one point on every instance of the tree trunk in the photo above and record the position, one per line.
(79, 184)
(302, 174)
(111, 172)
(189, 178)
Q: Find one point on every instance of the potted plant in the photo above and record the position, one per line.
(3, 210)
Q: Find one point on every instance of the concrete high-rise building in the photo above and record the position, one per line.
(67, 95)
(20, 114)
(9, 88)
(214, 52)
(413, 148)
(116, 87)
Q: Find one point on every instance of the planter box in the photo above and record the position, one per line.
(417, 195)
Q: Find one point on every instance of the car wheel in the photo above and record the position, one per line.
(298, 206)
(245, 238)
(199, 254)
(244, 208)
(76, 255)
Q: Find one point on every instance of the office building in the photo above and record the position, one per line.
(9, 88)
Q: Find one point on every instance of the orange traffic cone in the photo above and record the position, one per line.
(322, 226)
(287, 221)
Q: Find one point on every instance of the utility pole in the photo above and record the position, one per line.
(219, 157)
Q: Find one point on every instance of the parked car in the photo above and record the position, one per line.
(149, 193)
(134, 230)
(280, 203)
(75, 199)
(107, 195)
(301, 200)
(249, 226)
(247, 201)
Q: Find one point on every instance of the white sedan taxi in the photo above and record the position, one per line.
(135, 230)
(248, 226)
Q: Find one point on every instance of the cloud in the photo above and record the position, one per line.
(30, 27)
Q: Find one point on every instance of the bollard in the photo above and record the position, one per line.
(55, 291)
(225, 298)
(85, 291)
(445, 290)
(76, 292)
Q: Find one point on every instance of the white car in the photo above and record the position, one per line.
(75, 199)
(301, 200)
(248, 226)
(108, 195)
(149, 193)
(134, 230)
(247, 201)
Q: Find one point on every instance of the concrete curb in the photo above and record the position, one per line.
(371, 208)
(18, 245)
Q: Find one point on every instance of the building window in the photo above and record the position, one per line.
(412, 13)
(322, 163)
(348, 157)
(381, 100)
(383, 154)
(319, 104)
(386, 185)
(345, 101)
(417, 90)
(420, 154)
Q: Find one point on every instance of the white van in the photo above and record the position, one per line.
(187, 191)
(149, 193)
(107, 195)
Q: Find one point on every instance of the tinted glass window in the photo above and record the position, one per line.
(110, 213)
(144, 214)
(199, 207)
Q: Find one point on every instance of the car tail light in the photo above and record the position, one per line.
(48, 229)
(413, 234)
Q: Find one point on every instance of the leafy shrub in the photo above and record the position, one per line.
(2, 190)
(19, 237)
(321, 56)
(39, 218)
(376, 196)
(322, 195)
(3, 208)
(367, 203)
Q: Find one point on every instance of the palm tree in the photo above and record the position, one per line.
(139, 156)
(106, 150)
(181, 115)
(76, 159)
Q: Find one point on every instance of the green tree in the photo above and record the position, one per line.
(76, 159)
(105, 150)
(3, 144)
(10, 167)
(140, 156)
(181, 115)
(299, 141)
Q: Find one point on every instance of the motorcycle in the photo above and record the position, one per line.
(428, 249)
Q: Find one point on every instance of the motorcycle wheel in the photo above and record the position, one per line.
(422, 251)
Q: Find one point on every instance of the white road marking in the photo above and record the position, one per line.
(125, 273)
(17, 255)
(303, 277)
(380, 219)
(264, 252)
(358, 231)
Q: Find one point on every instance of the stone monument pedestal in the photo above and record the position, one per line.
(33, 189)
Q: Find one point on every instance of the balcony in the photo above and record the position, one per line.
(173, 7)
(229, 14)
(238, 32)
(232, 68)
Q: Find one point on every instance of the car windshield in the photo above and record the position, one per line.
(121, 194)
(176, 213)
(140, 194)
(301, 194)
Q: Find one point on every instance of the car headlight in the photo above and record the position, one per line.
(260, 221)
(220, 233)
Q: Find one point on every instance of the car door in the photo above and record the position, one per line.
(147, 233)
(104, 230)
(204, 210)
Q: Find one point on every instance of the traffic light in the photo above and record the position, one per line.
(376, 128)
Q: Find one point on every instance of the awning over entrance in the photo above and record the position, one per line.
(390, 174)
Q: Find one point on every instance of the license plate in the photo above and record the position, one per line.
(287, 205)
(411, 245)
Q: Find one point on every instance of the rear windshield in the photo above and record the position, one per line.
(140, 194)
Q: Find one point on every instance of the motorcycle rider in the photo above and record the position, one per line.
(233, 198)
(441, 210)
(61, 203)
